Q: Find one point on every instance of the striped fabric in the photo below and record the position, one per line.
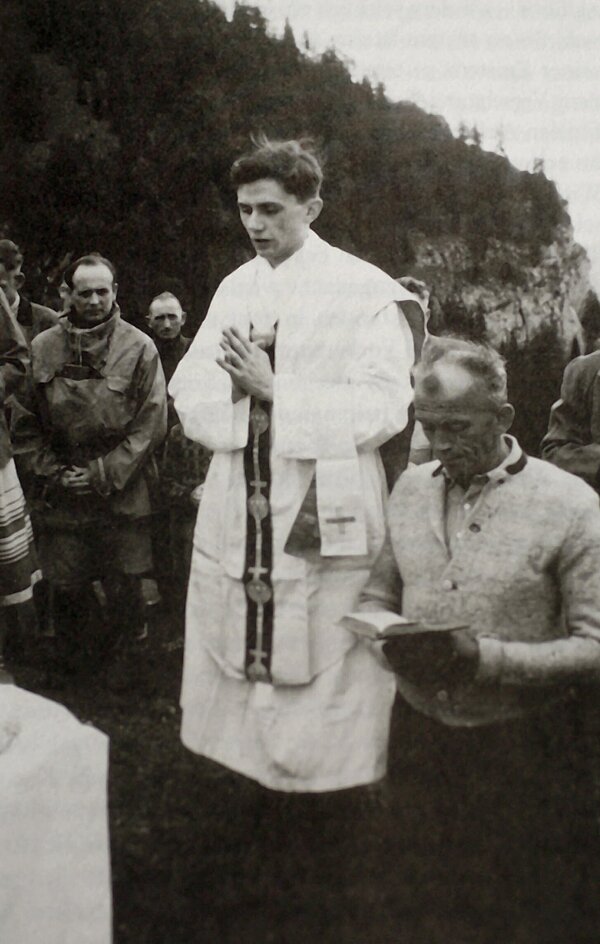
(18, 564)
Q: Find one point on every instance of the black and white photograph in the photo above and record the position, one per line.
(299, 472)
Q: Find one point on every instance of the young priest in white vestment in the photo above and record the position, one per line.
(299, 373)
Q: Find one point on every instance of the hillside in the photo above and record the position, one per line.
(120, 122)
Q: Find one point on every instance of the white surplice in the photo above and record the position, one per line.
(343, 354)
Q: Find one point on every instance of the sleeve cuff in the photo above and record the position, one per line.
(220, 425)
(99, 480)
(491, 659)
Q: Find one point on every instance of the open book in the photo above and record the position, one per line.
(383, 624)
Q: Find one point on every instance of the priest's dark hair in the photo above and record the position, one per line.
(90, 259)
(294, 164)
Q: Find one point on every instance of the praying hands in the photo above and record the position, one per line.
(248, 366)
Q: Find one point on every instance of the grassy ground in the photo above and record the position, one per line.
(200, 855)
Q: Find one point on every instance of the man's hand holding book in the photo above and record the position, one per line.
(420, 652)
(451, 656)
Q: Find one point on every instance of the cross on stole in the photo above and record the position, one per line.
(256, 667)
(257, 571)
(258, 484)
(341, 520)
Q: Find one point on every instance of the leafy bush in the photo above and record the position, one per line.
(534, 377)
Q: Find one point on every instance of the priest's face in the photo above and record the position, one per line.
(275, 220)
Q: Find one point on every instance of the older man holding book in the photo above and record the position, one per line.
(489, 732)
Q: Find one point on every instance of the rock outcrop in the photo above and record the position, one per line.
(513, 295)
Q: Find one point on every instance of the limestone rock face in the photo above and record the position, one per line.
(513, 295)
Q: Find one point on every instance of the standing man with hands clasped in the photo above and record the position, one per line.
(490, 751)
(299, 372)
(85, 433)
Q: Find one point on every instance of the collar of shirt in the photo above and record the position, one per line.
(294, 263)
(276, 288)
(15, 305)
(512, 463)
(461, 505)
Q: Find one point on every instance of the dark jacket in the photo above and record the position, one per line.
(396, 451)
(170, 353)
(34, 318)
(573, 438)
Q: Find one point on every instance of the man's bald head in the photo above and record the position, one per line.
(460, 400)
(463, 368)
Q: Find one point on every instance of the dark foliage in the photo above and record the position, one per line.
(454, 318)
(120, 122)
(534, 377)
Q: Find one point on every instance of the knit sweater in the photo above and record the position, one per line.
(525, 578)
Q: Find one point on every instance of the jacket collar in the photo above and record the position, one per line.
(24, 312)
(94, 341)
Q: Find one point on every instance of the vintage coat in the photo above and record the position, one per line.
(109, 422)
(34, 318)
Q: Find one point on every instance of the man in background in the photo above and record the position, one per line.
(32, 318)
(183, 463)
(410, 445)
(165, 320)
(573, 438)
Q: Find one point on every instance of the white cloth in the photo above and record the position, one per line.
(327, 735)
(343, 354)
(54, 852)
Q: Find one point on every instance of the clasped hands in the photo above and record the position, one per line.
(435, 657)
(76, 479)
(247, 364)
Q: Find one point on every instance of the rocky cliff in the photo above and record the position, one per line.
(504, 289)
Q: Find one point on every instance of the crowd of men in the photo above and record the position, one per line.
(302, 369)
(90, 430)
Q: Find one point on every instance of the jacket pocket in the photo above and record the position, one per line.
(116, 404)
(118, 384)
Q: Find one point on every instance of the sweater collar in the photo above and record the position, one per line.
(513, 463)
